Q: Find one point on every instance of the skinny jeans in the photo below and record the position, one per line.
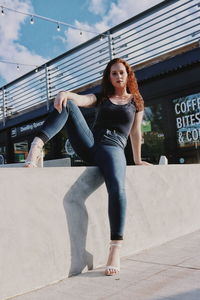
(103, 148)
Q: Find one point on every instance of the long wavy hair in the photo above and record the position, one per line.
(132, 85)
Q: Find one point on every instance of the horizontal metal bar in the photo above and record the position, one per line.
(88, 63)
(153, 43)
(85, 70)
(24, 92)
(161, 52)
(86, 51)
(146, 14)
(74, 79)
(75, 66)
(35, 100)
(166, 50)
(82, 84)
(24, 81)
(158, 29)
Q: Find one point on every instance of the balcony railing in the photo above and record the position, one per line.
(163, 28)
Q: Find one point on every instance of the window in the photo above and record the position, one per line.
(20, 151)
(153, 134)
(187, 114)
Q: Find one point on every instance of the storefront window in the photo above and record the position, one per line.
(3, 148)
(187, 114)
(20, 151)
(153, 134)
(68, 151)
(2, 155)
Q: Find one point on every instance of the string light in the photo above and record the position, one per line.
(32, 20)
(58, 27)
(19, 64)
(32, 16)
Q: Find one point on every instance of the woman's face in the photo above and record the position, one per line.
(118, 75)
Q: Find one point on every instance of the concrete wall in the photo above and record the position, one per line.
(48, 231)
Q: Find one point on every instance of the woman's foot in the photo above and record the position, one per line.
(113, 263)
(35, 155)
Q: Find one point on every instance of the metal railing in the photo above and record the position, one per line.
(163, 28)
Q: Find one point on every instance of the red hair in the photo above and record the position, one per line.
(132, 85)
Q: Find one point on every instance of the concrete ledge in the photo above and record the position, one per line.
(62, 162)
(49, 231)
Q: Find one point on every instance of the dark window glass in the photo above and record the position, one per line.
(20, 151)
(153, 143)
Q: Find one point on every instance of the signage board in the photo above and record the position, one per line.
(187, 113)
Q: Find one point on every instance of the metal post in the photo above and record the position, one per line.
(110, 45)
(47, 85)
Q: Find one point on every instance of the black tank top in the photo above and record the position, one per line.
(115, 117)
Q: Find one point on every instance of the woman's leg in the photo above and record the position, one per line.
(53, 124)
(112, 163)
(79, 133)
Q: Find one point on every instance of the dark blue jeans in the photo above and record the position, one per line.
(104, 149)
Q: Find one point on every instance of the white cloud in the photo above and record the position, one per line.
(116, 13)
(123, 10)
(98, 7)
(11, 49)
(75, 37)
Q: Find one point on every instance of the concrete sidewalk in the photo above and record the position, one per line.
(170, 271)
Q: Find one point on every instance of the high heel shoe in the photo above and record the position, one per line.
(35, 156)
(112, 270)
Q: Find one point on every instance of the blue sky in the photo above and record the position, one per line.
(35, 44)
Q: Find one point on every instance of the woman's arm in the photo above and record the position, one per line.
(136, 138)
(81, 100)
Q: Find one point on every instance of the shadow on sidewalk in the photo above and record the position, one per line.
(190, 295)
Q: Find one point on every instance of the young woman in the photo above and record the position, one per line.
(120, 113)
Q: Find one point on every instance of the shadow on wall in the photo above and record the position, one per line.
(77, 218)
(190, 295)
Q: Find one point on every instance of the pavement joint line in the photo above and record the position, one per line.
(131, 284)
(169, 265)
(37, 289)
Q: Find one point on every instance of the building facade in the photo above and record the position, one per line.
(171, 125)
(162, 45)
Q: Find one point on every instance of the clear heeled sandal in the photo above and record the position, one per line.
(35, 156)
(109, 269)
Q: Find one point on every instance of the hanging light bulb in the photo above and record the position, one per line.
(32, 20)
(2, 11)
(58, 27)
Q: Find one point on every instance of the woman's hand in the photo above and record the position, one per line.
(143, 163)
(60, 101)
(88, 100)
